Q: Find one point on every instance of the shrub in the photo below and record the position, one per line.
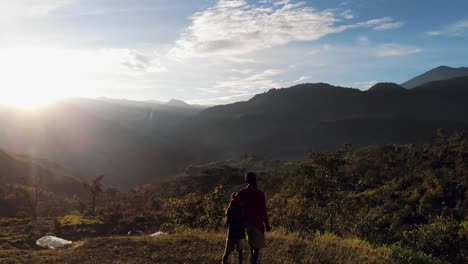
(440, 238)
(74, 220)
(408, 256)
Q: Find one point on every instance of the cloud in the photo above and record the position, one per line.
(282, 2)
(434, 33)
(348, 14)
(376, 22)
(363, 40)
(223, 99)
(459, 29)
(366, 85)
(320, 50)
(208, 90)
(302, 79)
(344, 3)
(387, 26)
(243, 71)
(140, 63)
(30, 8)
(233, 27)
(256, 81)
(384, 23)
(388, 50)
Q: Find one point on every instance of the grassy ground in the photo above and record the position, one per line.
(199, 247)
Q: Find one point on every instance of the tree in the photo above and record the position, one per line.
(31, 195)
(325, 180)
(95, 188)
(187, 211)
(215, 203)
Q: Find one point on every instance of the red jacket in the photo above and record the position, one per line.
(253, 200)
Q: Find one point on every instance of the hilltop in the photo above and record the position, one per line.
(201, 247)
(436, 74)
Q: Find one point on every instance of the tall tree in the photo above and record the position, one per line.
(31, 192)
(95, 188)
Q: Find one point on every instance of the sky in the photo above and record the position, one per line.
(219, 51)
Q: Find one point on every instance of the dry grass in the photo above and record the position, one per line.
(199, 247)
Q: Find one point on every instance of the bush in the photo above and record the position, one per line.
(197, 211)
(186, 211)
(440, 238)
(74, 220)
(408, 256)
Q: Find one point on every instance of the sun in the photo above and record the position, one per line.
(30, 103)
(34, 77)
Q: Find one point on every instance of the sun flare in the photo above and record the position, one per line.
(32, 77)
(36, 76)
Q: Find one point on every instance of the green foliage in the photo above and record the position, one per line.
(408, 256)
(95, 189)
(214, 203)
(414, 195)
(77, 220)
(296, 214)
(199, 211)
(187, 210)
(440, 238)
(325, 182)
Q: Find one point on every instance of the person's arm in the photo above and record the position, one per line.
(228, 216)
(265, 214)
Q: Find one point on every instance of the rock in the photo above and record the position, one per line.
(52, 242)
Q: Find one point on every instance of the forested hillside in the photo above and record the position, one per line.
(284, 123)
(35, 186)
(409, 198)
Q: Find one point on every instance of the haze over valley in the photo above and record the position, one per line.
(136, 142)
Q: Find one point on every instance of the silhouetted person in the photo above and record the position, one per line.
(235, 220)
(253, 200)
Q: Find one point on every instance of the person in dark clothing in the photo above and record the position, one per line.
(253, 200)
(235, 220)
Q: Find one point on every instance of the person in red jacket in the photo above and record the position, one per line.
(253, 201)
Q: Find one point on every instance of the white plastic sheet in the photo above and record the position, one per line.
(159, 233)
(52, 242)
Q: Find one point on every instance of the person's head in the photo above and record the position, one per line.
(251, 178)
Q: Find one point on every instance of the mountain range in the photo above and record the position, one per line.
(286, 123)
(140, 142)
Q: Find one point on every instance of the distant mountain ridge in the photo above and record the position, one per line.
(286, 123)
(387, 87)
(436, 74)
